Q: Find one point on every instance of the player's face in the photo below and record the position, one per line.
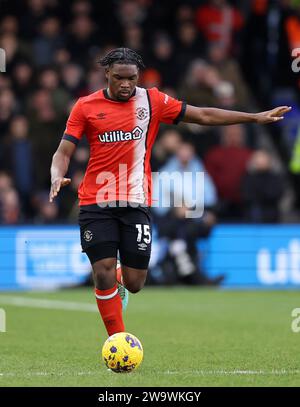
(122, 80)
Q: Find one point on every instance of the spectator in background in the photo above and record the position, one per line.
(23, 81)
(62, 57)
(15, 50)
(199, 84)
(6, 182)
(186, 161)
(172, 222)
(82, 37)
(215, 82)
(182, 260)
(72, 79)
(165, 147)
(9, 25)
(48, 79)
(150, 78)
(227, 165)
(20, 160)
(269, 33)
(225, 96)
(280, 47)
(10, 212)
(5, 82)
(262, 189)
(230, 72)
(219, 22)
(95, 80)
(8, 107)
(46, 127)
(184, 14)
(48, 41)
(292, 26)
(10, 207)
(133, 37)
(131, 12)
(189, 44)
(46, 214)
(34, 13)
(81, 7)
(163, 60)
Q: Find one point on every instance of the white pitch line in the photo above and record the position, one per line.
(47, 304)
(279, 372)
(42, 374)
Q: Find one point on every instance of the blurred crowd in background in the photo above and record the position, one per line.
(221, 53)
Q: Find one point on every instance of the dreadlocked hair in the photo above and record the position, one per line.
(122, 56)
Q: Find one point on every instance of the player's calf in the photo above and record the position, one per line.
(107, 295)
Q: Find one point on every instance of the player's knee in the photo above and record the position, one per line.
(135, 286)
(104, 273)
(133, 289)
(134, 279)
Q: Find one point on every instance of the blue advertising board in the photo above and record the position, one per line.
(41, 257)
(258, 256)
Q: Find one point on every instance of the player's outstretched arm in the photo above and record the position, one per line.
(59, 167)
(214, 117)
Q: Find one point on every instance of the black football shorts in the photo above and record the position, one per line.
(105, 231)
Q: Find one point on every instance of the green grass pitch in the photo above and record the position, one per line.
(191, 337)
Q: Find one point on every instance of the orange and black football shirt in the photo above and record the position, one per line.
(121, 136)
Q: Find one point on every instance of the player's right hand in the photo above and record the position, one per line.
(56, 185)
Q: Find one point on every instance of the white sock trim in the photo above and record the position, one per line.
(106, 297)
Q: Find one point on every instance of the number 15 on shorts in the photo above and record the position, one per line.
(143, 233)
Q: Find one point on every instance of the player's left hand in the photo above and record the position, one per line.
(273, 115)
(56, 185)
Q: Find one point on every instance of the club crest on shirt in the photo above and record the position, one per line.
(141, 113)
(88, 235)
